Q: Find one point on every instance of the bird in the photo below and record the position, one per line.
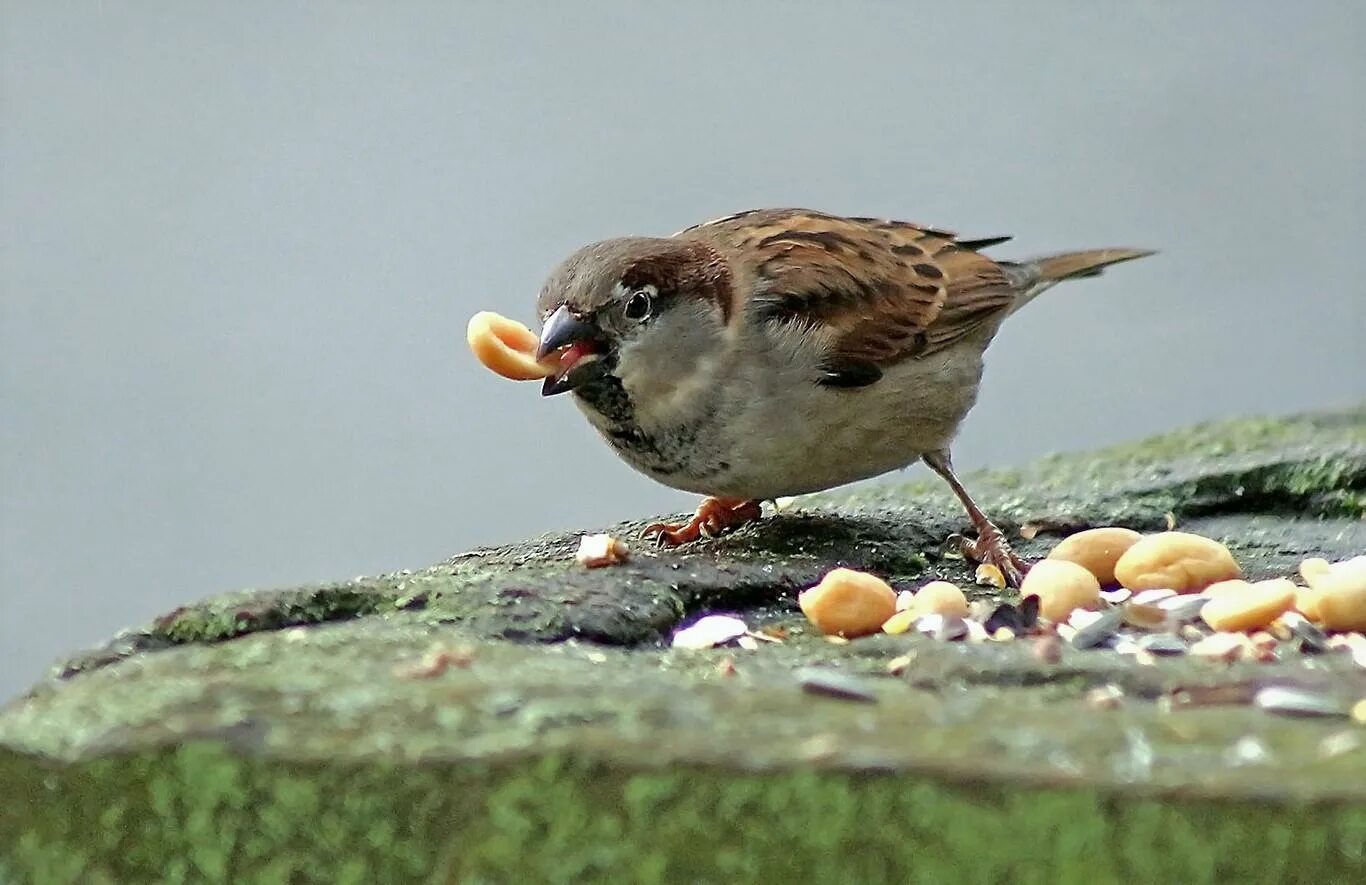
(777, 352)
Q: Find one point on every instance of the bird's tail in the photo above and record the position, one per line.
(1087, 263)
(1037, 274)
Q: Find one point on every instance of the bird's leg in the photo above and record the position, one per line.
(990, 546)
(714, 516)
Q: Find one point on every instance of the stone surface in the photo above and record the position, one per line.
(509, 709)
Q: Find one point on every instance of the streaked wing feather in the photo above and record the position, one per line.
(887, 290)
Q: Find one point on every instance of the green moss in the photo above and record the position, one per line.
(316, 755)
(197, 814)
(239, 614)
(1315, 463)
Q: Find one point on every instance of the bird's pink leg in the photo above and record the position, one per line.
(991, 545)
(715, 516)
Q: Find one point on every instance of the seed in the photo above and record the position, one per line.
(1312, 639)
(1177, 560)
(898, 665)
(1005, 617)
(1125, 645)
(1314, 568)
(1153, 597)
(942, 598)
(848, 603)
(1163, 644)
(900, 622)
(1083, 617)
(1341, 595)
(950, 628)
(981, 609)
(1239, 693)
(1289, 701)
(1097, 550)
(1307, 603)
(1144, 617)
(1356, 644)
(709, 632)
(1099, 631)
(505, 346)
(1221, 588)
(1192, 633)
(1225, 647)
(596, 551)
(1183, 608)
(1249, 606)
(827, 682)
(1116, 597)
(1060, 587)
(989, 575)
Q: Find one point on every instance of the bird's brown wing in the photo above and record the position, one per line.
(886, 291)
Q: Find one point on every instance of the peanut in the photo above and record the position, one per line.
(900, 622)
(596, 551)
(1181, 561)
(940, 598)
(505, 346)
(848, 603)
(1226, 588)
(1062, 587)
(1307, 603)
(1341, 595)
(1097, 550)
(1242, 606)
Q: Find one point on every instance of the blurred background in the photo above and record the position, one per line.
(239, 244)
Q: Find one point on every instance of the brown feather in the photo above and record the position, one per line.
(890, 290)
(1085, 263)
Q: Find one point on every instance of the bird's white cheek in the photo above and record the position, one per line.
(667, 394)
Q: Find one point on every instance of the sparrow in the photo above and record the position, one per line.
(777, 352)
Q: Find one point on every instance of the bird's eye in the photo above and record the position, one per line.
(639, 305)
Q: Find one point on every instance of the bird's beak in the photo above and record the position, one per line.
(576, 343)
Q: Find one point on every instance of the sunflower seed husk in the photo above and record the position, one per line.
(1183, 608)
(1099, 631)
(1163, 644)
(1144, 617)
(949, 628)
(1152, 597)
(1004, 616)
(827, 682)
(1312, 640)
(1221, 646)
(1288, 701)
(710, 631)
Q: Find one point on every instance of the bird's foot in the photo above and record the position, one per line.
(715, 516)
(991, 548)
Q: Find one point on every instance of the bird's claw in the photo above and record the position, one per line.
(714, 518)
(992, 548)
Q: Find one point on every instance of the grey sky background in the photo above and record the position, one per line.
(239, 243)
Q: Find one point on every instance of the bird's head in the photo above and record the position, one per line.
(637, 310)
